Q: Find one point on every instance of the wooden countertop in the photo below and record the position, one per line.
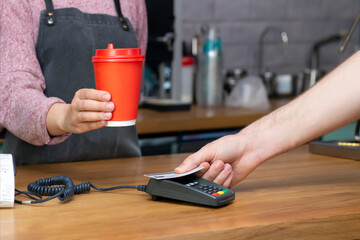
(151, 121)
(295, 195)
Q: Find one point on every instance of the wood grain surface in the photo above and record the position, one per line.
(296, 195)
(151, 121)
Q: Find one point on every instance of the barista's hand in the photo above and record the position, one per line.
(90, 109)
(226, 161)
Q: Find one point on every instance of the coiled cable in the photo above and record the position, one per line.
(44, 187)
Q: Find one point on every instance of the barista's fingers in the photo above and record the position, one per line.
(85, 127)
(96, 125)
(87, 93)
(92, 105)
(223, 176)
(215, 169)
(90, 117)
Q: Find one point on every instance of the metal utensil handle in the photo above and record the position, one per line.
(349, 33)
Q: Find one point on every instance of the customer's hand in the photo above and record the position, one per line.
(300, 121)
(226, 161)
(89, 110)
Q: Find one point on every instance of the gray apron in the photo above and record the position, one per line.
(66, 42)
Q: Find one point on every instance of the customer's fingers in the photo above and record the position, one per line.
(227, 182)
(205, 166)
(215, 169)
(223, 176)
(205, 154)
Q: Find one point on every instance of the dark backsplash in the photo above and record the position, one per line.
(240, 23)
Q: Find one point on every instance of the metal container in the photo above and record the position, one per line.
(209, 83)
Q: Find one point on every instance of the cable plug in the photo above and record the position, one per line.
(141, 188)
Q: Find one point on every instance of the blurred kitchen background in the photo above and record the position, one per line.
(241, 23)
(290, 44)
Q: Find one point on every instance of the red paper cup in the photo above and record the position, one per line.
(118, 71)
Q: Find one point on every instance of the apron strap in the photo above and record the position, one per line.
(49, 12)
(125, 26)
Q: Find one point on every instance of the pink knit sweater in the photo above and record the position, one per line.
(23, 105)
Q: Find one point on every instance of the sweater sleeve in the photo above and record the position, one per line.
(142, 28)
(24, 106)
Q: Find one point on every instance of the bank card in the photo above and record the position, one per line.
(168, 175)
